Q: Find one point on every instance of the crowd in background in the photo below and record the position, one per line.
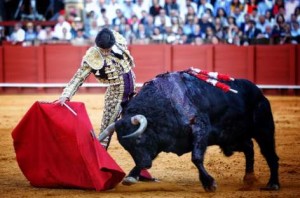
(197, 22)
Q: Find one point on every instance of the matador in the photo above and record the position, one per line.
(111, 63)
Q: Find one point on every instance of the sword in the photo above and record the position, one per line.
(68, 107)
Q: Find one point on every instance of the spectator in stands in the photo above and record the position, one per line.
(290, 6)
(184, 7)
(263, 6)
(40, 33)
(171, 14)
(101, 4)
(231, 21)
(102, 18)
(293, 19)
(188, 28)
(297, 14)
(30, 34)
(76, 25)
(129, 35)
(254, 15)
(236, 4)
(232, 34)
(197, 32)
(142, 36)
(80, 38)
(204, 4)
(122, 26)
(262, 23)
(127, 8)
(280, 22)
(204, 23)
(170, 36)
(49, 34)
(250, 6)
(215, 40)
(155, 8)
(279, 4)
(162, 18)
(221, 14)
(112, 8)
(209, 35)
(268, 34)
(222, 4)
(219, 29)
(134, 23)
(270, 18)
(117, 20)
(143, 19)
(238, 16)
(157, 36)
(93, 30)
(295, 32)
(149, 25)
(66, 36)
(163, 25)
(92, 6)
(252, 32)
(170, 5)
(244, 25)
(209, 14)
(18, 34)
(183, 39)
(62, 29)
(190, 13)
(140, 8)
(198, 41)
(285, 35)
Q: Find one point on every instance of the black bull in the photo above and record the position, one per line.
(178, 113)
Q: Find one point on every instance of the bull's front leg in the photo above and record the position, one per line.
(132, 177)
(200, 136)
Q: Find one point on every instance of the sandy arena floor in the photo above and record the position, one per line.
(178, 176)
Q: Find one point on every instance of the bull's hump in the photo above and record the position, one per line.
(174, 89)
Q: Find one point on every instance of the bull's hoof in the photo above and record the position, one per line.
(211, 188)
(249, 179)
(271, 187)
(129, 181)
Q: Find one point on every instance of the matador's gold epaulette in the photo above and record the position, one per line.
(120, 40)
(93, 58)
(121, 43)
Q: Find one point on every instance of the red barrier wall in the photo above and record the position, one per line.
(276, 64)
(23, 64)
(235, 61)
(298, 64)
(61, 62)
(150, 60)
(185, 56)
(1, 65)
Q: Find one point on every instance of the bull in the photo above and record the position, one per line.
(176, 112)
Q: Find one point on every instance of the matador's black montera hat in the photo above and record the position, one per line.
(105, 39)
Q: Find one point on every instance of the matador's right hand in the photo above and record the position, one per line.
(61, 100)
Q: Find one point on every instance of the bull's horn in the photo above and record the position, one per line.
(138, 119)
(108, 131)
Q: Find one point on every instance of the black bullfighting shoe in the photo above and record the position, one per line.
(146, 176)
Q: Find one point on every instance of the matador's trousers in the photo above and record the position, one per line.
(114, 96)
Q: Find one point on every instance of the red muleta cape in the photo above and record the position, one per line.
(57, 149)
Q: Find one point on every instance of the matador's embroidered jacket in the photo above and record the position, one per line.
(114, 69)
